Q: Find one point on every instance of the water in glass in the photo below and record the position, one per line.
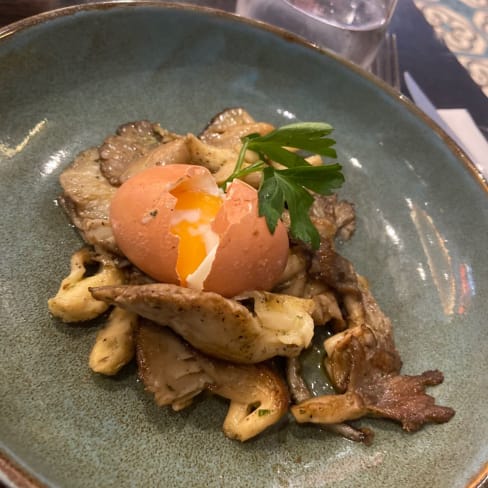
(352, 28)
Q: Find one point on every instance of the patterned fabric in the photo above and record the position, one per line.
(463, 25)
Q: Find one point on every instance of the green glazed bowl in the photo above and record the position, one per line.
(68, 79)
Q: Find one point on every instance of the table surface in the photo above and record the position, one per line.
(434, 38)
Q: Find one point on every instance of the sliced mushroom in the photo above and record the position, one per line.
(168, 367)
(296, 281)
(231, 138)
(225, 120)
(86, 199)
(217, 160)
(221, 327)
(73, 301)
(176, 373)
(364, 365)
(173, 152)
(259, 397)
(300, 393)
(221, 161)
(130, 142)
(114, 346)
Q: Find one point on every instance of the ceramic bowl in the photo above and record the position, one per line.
(68, 79)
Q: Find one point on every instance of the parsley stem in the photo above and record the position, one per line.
(293, 187)
(238, 166)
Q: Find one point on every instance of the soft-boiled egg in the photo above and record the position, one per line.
(176, 225)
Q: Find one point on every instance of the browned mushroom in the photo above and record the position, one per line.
(176, 373)
(224, 328)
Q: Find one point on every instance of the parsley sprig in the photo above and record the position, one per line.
(288, 187)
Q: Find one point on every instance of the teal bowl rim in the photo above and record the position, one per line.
(9, 30)
(10, 470)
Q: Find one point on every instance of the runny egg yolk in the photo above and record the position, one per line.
(191, 220)
(177, 226)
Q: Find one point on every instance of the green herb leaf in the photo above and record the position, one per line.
(298, 201)
(320, 179)
(308, 136)
(278, 154)
(271, 199)
(289, 188)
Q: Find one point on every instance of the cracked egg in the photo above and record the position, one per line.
(176, 225)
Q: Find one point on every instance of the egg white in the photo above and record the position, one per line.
(211, 239)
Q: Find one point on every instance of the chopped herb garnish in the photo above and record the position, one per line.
(289, 187)
(263, 411)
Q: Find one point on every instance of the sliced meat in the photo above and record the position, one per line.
(176, 373)
(218, 326)
(86, 199)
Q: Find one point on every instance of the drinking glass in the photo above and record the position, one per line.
(352, 28)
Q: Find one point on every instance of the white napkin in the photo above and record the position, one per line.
(467, 135)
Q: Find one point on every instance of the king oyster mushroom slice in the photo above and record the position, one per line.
(280, 325)
(176, 373)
